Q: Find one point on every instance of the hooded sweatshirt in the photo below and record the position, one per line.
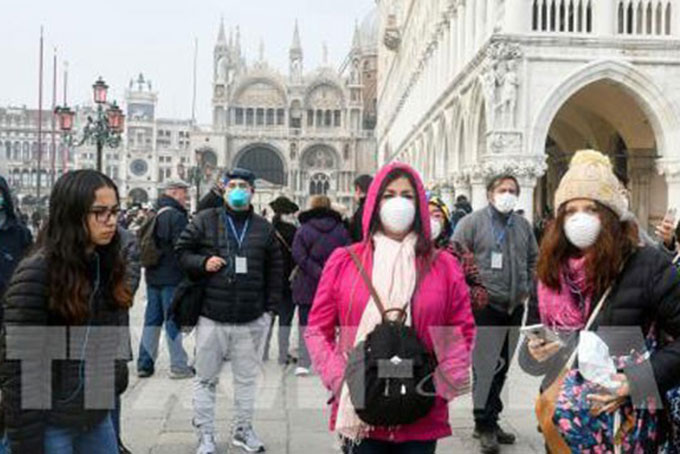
(442, 319)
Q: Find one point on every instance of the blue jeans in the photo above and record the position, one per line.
(157, 313)
(101, 439)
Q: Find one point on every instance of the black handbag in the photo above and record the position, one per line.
(390, 375)
(187, 302)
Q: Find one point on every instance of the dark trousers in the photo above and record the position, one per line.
(497, 337)
(303, 317)
(369, 446)
(286, 314)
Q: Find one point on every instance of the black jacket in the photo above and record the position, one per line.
(287, 232)
(231, 297)
(356, 226)
(15, 239)
(169, 226)
(27, 314)
(646, 294)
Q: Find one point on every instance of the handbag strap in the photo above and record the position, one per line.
(374, 292)
(282, 240)
(589, 324)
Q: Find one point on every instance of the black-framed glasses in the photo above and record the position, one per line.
(103, 214)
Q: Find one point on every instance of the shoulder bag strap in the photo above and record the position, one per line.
(589, 324)
(282, 240)
(367, 281)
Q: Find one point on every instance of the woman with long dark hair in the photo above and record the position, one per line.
(594, 276)
(61, 341)
(425, 291)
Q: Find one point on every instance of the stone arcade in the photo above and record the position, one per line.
(470, 88)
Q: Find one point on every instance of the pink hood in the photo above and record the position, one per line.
(372, 197)
(442, 318)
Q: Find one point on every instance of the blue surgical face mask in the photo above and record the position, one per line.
(238, 198)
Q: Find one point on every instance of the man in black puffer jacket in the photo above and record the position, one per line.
(237, 254)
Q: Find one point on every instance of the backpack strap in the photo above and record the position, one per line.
(374, 294)
(367, 281)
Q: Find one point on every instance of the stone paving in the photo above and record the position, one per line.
(291, 414)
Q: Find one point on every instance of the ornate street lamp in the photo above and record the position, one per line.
(105, 128)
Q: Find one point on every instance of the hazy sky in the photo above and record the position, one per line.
(156, 37)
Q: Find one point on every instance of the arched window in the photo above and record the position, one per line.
(8, 150)
(668, 19)
(319, 184)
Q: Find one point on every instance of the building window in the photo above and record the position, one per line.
(260, 117)
(338, 118)
(280, 117)
(319, 118)
(239, 116)
(249, 117)
(310, 118)
(270, 117)
(329, 121)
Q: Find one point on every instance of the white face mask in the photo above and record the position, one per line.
(582, 229)
(505, 202)
(435, 227)
(397, 215)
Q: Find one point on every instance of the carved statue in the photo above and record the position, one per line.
(509, 89)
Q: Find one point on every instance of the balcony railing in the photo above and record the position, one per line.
(562, 16)
(644, 17)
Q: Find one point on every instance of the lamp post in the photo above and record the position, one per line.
(194, 174)
(104, 128)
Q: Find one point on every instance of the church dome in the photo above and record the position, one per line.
(368, 31)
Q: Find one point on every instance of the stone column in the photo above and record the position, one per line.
(447, 195)
(605, 18)
(478, 197)
(671, 170)
(641, 168)
(527, 186)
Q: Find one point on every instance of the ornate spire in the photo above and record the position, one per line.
(356, 40)
(221, 36)
(325, 53)
(238, 40)
(296, 46)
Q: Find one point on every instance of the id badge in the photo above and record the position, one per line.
(241, 265)
(496, 261)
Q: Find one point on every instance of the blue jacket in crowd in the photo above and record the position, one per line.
(169, 226)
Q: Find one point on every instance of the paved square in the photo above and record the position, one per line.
(291, 414)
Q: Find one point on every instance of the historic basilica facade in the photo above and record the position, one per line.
(302, 133)
(470, 88)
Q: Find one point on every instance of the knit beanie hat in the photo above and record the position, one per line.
(590, 176)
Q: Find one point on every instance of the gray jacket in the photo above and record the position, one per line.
(509, 286)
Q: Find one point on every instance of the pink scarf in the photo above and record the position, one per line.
(561, 309)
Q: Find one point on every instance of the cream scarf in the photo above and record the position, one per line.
(394, 279)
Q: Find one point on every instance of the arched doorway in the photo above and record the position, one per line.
(608, 116)
(264, 162)
(138, 196)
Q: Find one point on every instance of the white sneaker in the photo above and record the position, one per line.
(301, 371)
(246, 439)
(206, 444)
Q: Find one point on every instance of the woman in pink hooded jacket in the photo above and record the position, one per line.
(396, 248)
